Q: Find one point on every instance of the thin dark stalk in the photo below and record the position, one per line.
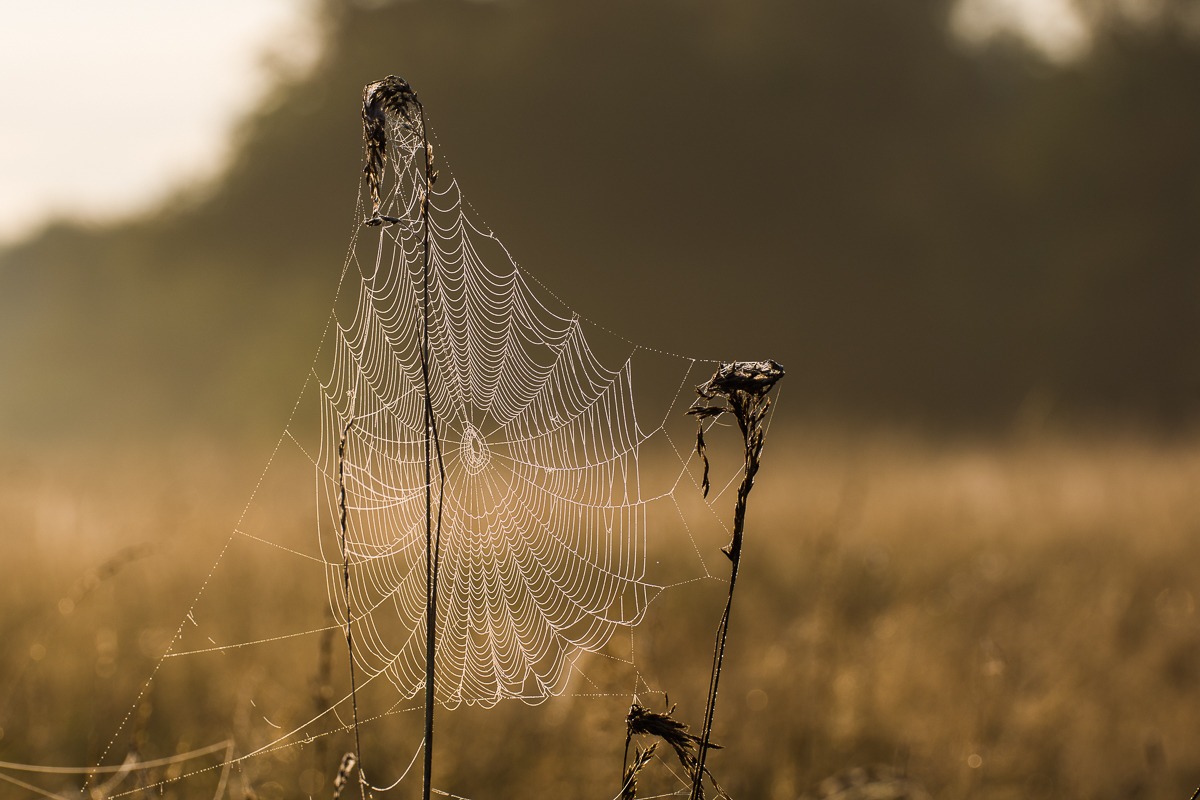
(432, 545)
(744, 387)
(346, 587)
(394, 95)
(719, 648)
(713, 681)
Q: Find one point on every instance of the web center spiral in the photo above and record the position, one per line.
(473, 450)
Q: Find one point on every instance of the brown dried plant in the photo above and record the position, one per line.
(641, 721)
(390, 95)
(640, 759)
(393, 96)
(739, 388)
(345, 769)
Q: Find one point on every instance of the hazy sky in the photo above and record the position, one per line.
(107, 106)
(1054, 27)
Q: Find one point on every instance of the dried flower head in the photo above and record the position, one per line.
(343, 774)
(643, 721)
(640, 759)
(391, 95)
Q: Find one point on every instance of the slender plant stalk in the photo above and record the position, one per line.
(346, 587)
(713, 681)
(744, 387)
(394, 95)
(432, 545)
(735, 555)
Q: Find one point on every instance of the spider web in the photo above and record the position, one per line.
(542, 513)
(544, 517)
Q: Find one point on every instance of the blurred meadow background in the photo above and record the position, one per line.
(969, 229)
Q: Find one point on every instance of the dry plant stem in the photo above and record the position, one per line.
(432, 545)
(1195, 794)
(735, 555)
(346, 587)
(744, 386)
(394, 95)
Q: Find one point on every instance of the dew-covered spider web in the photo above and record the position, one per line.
(542, 513)
(546, 516)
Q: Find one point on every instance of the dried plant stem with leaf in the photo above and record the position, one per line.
(394, 96)
(739, 388)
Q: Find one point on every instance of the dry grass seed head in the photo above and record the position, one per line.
(643, 721)
(394, 95)
(640, 759)
(343, 774)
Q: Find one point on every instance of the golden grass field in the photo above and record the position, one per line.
(992, 619)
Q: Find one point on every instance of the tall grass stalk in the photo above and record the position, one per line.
(394, 95)
(433, 544)
(739, 388)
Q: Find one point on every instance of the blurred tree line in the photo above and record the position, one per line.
(920, 231)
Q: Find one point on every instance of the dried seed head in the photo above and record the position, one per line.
(640, 759)
(642, 720)
(753, 377)
(394, 96)
(343, 774)
(744, 386)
